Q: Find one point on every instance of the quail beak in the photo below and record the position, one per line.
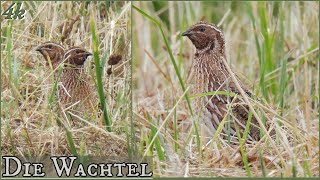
(39, 49)
(187, 33)
(88, 54)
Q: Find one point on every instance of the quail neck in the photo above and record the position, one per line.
(210, 53)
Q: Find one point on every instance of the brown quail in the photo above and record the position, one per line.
(75, 90)
(210, 75)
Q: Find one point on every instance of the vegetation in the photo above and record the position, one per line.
(29, 112)
(272, 46)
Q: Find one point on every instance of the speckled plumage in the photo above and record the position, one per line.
(75, 89)
(210, 75)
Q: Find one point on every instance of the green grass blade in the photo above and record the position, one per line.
(129, 142)
(103, 62)
(263, 166)
(9, 47)
(157, 144)
(170, 53)
(55, 87)
(213, 93)
(175, 68)
(294, 170)
(268, 65)
(306, 167)
(246, 130)
(95, 45)
(259, 51)
(283, 80)
(11, 140)
(71, 142)
(243, 152)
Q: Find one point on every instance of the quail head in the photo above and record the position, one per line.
(52, 52)
(76, 57)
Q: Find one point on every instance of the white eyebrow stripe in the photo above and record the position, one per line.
(212, 26)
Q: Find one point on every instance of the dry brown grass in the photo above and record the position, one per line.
(29, 125)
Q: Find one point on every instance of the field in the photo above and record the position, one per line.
(272, 46)
(31, 122)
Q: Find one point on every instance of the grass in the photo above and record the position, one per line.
(98, 74)
(268, 47)
(31, 122)
(175, 68)
(271, 46)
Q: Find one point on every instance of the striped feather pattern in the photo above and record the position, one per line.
(210, 75)
(75, 88)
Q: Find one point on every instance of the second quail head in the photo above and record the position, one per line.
(76, 56)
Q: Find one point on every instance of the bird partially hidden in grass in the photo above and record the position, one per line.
(211, 75)
(52, 52)
(75, 91)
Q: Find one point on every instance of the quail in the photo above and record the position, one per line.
(211, 75)
(75, 89)
(53, 54)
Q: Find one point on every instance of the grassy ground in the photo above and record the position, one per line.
(28, 113)
(274, 47)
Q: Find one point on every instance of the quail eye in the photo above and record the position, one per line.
(50, 46)
(202, 29)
